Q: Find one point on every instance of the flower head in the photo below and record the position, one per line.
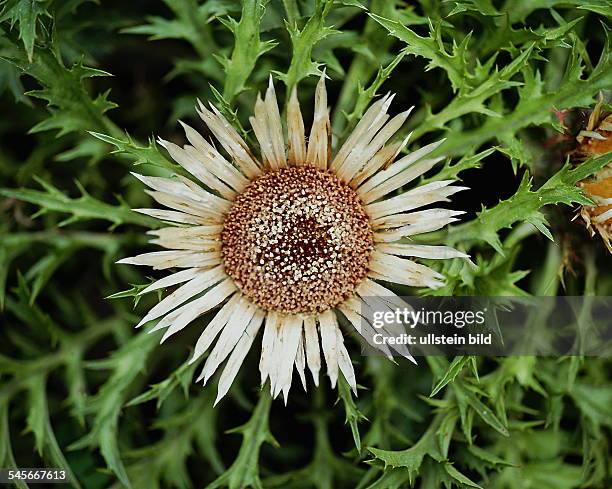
(596, 139)
(598, 217)
(288, 242)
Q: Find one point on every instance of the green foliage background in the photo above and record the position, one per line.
(85, 85)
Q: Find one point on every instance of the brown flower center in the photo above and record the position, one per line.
(297, 240)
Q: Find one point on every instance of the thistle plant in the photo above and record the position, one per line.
(298, 183)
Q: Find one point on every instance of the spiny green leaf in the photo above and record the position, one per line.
(366, 95)
(10, 81)
(526, 203)
(26, 14)
(432, 48)
(44, 268)
(37, 412)
(536, 104)
(141, 155)
(248, 47)
(482, 7)
(81, 208)
(40, 424)
(451, 373)
(487, 456)
(412, 458)
(182, 377)
(244, 472)
(518, 10)
(190, 24)
(473, 100)
(165, 462)
(466, 398)
(353, 414)
(70, 104)
(134, 293)
(7, 459)
(459, 477)
(446, 430)
(451, 171)
(302, 42)
(71, 108)
(105, 407)
(371, 56)
(594, 401)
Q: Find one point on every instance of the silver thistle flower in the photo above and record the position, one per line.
(288, 241)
